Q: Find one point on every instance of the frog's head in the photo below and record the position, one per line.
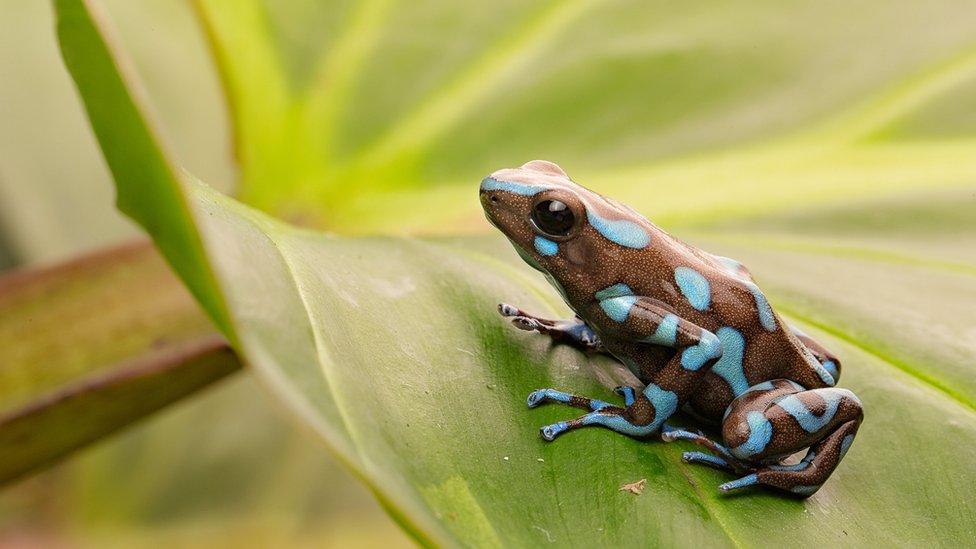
(555, 224)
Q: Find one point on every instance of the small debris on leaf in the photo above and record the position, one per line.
(505, 458)
(540, 460)
(636, 488)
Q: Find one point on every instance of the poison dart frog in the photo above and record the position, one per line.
(692, 326)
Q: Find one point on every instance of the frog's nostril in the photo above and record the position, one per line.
(493, 197)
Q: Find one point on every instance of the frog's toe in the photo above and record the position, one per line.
(626, 392)
(702, 458)
(698, 438)
(543, 396)
(550, 432)
(505, 309)
(537, 397)
(739, 483)
(526, 323)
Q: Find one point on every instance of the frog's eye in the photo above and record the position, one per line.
(553, 217)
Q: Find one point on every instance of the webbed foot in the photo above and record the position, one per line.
(643, 414)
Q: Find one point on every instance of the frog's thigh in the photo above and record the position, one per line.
(779, 418)
(745, 361)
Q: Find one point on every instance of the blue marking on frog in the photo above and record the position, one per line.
(694, 287)
(492, 184)
(665, 403)
(617, 423)
(766, 316)
(537, 397)
(708, 348)
(620, 231)
(764, 386)
(618, 308)
(818, 368)
(616, 301)
(617, 290)
(747, 480)
(545, 246)
(666, 333)
(808, 421)
(831, 368)
(760, 433)
(729, 367)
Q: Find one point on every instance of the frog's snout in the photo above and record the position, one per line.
(489, 188)
(489, 193)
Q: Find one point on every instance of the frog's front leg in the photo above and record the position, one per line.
(643, 320)
(573, 331)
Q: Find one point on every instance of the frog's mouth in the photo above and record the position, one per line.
(491, 220)
(527, 257)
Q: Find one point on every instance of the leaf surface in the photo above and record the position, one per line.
(391, 350)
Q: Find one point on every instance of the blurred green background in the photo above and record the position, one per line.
(224, 468)
(646, 89)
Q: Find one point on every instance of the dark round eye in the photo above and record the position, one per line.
(553, 217)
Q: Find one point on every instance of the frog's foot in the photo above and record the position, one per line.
(573, 332)
(643, 414)
(722, 458)
(709, 460)
(611, 417)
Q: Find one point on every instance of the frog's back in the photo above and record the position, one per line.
(719, 295)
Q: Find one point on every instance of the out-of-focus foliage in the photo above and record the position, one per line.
(220, 470)
(86, 350)
(430, 430)
(54, 196)
(830, 142)
(56, 199)
(378, 115)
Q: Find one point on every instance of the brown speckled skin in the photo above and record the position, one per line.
(588, 262)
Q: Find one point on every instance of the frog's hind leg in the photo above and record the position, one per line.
(776, 419)
(573, 332)
(828, 359)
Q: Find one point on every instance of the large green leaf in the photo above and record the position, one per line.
(348, 113)
(391, 351)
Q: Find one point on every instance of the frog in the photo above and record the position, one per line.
(693, 327)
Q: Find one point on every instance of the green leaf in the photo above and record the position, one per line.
(163, 209)
(86, 349)
(391, 350)
(224, 467)
(343, 120)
